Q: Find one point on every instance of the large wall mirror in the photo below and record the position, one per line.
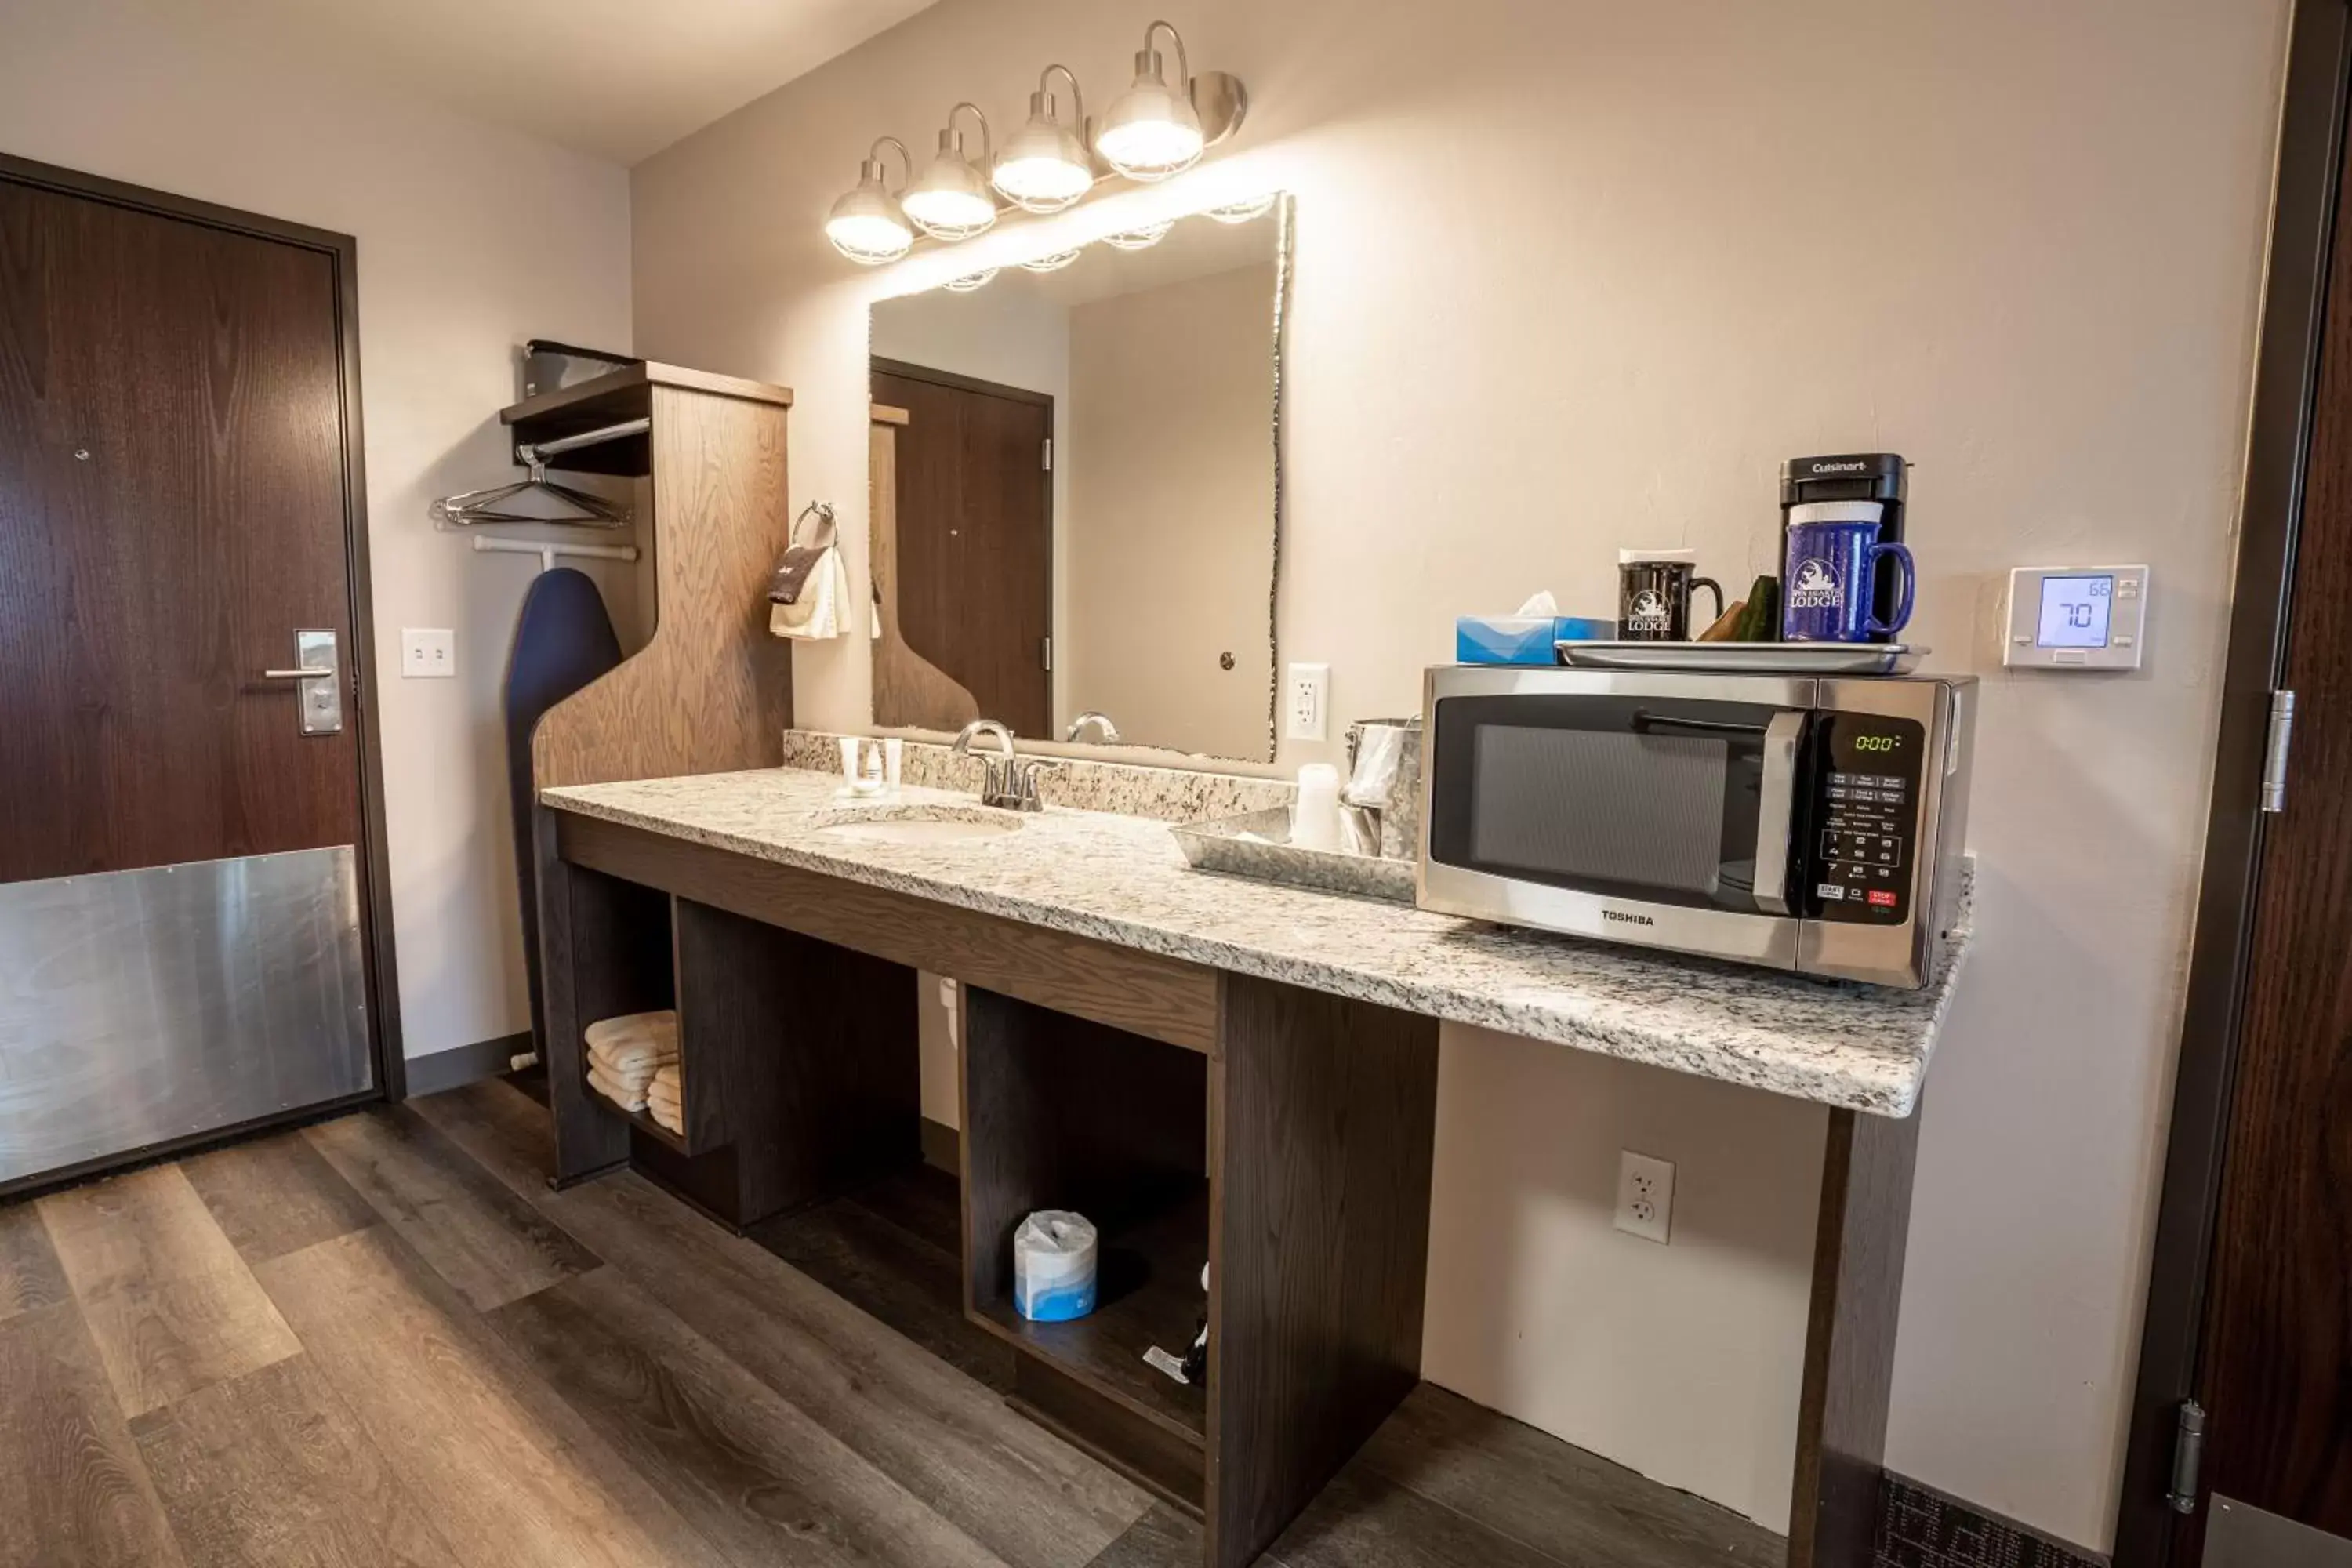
(1077, 488)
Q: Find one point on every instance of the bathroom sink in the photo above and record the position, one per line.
(922, 825)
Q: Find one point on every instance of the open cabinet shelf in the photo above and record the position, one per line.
(1148, 1293)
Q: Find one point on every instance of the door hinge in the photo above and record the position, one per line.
(1048, 463)
(2188, 1454)
(1045, 652)
(2274, 751)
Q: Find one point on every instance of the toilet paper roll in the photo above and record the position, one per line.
(1054, 1267)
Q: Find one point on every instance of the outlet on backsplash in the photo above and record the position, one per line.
(1307, 702)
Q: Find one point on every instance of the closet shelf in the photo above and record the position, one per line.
(624, 394)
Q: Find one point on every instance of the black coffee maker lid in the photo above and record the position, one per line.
(1847, 476)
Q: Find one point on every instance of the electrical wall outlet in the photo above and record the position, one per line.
(1646, 1195)
(427, 653)
(1307, 702)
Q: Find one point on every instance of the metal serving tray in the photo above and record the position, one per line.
(1747, 657)
(1257, 844)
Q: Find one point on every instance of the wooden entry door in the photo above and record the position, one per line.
(975, 545)
(2275, 1368)
(187, 885)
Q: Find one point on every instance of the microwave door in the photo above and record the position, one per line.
(1776, 808)
(1633, 811)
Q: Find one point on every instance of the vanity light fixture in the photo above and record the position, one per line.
(1142, 238)
(1053, 263)
(950, 200)
(868, 224)
(1044, 167)
(1152, 130)
(970, 280)
(1241, 212)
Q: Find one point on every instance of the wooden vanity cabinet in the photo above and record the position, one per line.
(799, 1060)
(1292, 1158)
(1284, 1136)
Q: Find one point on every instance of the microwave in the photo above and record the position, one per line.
(1809, 823)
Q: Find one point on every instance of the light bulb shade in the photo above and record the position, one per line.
(1241, 212)
(1142, 238)
(1152, 130)
(948, 200)
(1053, 263)
(1044, 168)
(971, 280)
(868, 224)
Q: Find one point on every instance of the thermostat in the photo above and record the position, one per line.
(2076, 617)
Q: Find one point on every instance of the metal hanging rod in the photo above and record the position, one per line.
(536, 452)
(547, 550)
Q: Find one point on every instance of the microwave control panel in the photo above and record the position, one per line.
(1863, 826)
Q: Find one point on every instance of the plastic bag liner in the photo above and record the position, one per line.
(1054, 1267)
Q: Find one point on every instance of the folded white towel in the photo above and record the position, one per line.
(633, 1055)
(659, 1024)
(665, 1099)
(622, 1095)
(639, 1077)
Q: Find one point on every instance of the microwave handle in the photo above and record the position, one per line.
(1775, 805)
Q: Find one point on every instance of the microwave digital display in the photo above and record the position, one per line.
(1864, 837)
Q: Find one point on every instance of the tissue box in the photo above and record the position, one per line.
(1522, 639)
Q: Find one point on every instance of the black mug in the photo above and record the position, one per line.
(1654, 595)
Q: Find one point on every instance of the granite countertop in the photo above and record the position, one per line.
(1123, 880)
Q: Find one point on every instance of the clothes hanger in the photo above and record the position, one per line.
(489, 505)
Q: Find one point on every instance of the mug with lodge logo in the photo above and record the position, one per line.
(1831, 570)
(1653, 594)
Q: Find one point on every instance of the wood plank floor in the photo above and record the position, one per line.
(383, 1342)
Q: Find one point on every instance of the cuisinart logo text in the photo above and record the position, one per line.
(1622, 917)
(1838, 468)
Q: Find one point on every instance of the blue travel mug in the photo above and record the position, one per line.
(1830, 568)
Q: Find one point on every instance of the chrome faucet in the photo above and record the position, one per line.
(1008, 782)
(1099, 721)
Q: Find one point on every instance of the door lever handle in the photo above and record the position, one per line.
(317, 675)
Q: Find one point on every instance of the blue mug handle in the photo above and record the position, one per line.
(1910, 579)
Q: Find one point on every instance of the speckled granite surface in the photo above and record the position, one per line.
(1083, 784)
(1123, 880)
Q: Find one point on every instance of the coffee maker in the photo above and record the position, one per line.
(1878, 476)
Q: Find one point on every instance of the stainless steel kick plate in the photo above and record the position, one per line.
(2240, 1535)
(137, 1007)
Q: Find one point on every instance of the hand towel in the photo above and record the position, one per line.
(627, 1099)
(665, 1099)
(632, 1058)
(661, 1024)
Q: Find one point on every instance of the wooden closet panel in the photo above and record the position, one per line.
(711, 690)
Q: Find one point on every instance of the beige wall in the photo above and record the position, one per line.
(1171, 491)
(1579, 276)
(470, 240)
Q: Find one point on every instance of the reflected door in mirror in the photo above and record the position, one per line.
(971, 594)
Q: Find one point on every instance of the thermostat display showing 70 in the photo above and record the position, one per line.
(2076, 617)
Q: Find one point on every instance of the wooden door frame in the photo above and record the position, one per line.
(2286, 379)
(376, 889)
(877, 364)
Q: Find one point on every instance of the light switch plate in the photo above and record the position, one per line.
(1307, 702)
(427, 653)
(1646, 1195)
